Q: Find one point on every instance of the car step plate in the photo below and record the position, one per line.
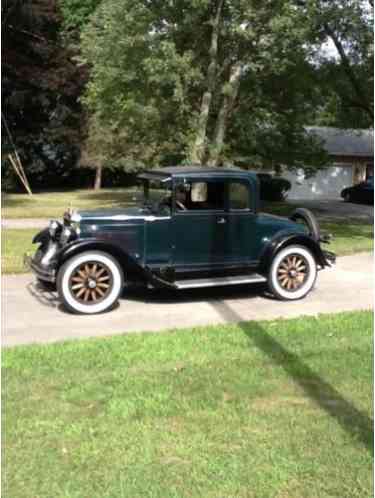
(213, 282)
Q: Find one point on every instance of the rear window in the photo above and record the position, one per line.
(239, 196)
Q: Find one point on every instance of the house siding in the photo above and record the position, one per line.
(329, 182)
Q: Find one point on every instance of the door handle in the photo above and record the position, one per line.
(221, 221)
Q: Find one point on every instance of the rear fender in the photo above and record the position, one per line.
(280, 242)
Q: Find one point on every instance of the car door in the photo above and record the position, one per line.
(200, 229)
(157, 241)
(240, 223)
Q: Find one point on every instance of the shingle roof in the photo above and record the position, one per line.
(347, 142)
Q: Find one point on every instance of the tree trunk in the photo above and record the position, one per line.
(98, 178)
(230, 92)
(198, 148)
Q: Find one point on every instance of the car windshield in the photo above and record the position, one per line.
(158, 196)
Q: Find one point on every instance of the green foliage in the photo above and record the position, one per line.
(40, 90)
(344, 74)
(138, 82)
(77, 12)
(148, 65)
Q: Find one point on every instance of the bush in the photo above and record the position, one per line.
(274, 189)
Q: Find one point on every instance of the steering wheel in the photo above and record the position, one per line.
(181, 206)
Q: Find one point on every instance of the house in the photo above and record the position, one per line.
(352, 156)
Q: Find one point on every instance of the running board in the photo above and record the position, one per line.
(213, 282)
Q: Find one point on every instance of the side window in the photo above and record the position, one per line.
(239, 196)
(201, 195)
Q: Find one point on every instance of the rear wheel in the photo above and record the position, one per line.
(293, 273)
(90, 283)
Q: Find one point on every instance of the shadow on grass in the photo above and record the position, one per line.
(353, 421)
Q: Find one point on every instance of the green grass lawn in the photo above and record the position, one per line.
(349, 237)
(15, 243)
(269, 409)
(54, 204)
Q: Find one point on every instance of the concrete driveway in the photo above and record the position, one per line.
(33, 316)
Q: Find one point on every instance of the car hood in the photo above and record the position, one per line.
(111, 214)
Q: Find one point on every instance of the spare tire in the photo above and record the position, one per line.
(305, 216)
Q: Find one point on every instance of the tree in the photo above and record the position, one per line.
(76, 13)
(40, 90)
(345, 73)
(173, 74)
(103, 149)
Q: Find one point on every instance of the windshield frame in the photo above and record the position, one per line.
(164, 189)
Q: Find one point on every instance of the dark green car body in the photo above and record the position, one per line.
(228, 237)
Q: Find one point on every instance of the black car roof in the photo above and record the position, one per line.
(181, 171)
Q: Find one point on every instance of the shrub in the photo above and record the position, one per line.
(274, 189)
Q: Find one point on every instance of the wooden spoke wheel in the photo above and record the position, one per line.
(293, 272)
(91, 282)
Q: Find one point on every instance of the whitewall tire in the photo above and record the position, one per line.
(90, 283)
(293, 273)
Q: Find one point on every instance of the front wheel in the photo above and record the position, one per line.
(293, 273)
(90, 283)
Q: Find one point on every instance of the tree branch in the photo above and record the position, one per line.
(349, 70)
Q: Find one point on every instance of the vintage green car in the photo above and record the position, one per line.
(197, 227)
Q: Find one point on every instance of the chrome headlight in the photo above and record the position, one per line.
(66, 235)
(53, 226)
(75, 225)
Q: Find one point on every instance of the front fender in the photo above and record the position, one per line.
(283, 240)
(127, 262)
(41, 237)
